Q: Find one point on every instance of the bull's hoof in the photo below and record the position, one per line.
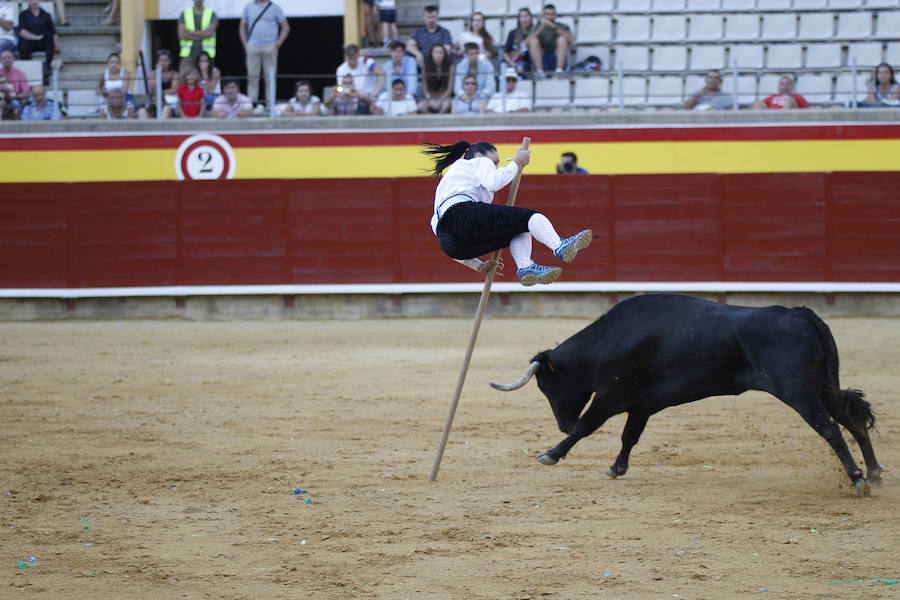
(546, 459)
(613, 474)
(862, 488)
(875, 479)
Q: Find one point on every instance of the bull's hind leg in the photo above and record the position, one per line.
(634, 427)
(873, 467)
(813, 412)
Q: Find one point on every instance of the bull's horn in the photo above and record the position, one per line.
(528, 374)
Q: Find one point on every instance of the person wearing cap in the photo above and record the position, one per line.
(468, 225)
(510, 99)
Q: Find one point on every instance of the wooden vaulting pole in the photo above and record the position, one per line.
(476, 325)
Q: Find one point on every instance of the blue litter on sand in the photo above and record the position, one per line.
(308, 502)
(299, 491)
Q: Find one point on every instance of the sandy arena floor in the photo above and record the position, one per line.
(158, 459)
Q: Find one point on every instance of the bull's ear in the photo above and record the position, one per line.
(544, 359)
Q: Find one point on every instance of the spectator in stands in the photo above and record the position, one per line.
(883, 87)
(423, 38)
(515, 52)
(549, 43)
(475, 32)
(404, 66)
(112, 8)
(210, 78)
(197, 33)
(263, 29)
(568, 165)
(40, 108)
(116, 107)
(510, 100)
(114, 77)
(37, 33)
(231, 104)
(437, 82)
(170, 82)
(303, 104)
(13, 80)
(368, 77)
(8, 110)
(61, 13)
(387, 14)
(399, 102)
(785, 98)
(371, 27)
(471, 100)
(346, 100)
(191, 97)
(8, 39)
(711, 96)
(473, 64)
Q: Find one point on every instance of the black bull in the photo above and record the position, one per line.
(659, 350)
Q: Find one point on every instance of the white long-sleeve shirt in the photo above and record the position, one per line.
(476, 178)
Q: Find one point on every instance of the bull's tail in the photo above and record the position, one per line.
(851, 404)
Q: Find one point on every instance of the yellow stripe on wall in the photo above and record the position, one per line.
(343, 162)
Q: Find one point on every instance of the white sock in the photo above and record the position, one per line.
(520, 248)
(540, 227)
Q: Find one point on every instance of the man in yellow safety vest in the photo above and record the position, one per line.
(197, 32)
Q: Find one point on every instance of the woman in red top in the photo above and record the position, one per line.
(191, 97)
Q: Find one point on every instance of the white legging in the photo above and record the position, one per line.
(542, 230)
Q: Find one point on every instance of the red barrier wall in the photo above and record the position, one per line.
(705, 227)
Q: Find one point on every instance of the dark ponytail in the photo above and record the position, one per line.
(444, 156)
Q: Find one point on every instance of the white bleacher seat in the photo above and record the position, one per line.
(82, 103)
(641, 6)
(552, 93)
(785, 56)
(748, 56)
(493, 8)
(867, 54)
(779, 26)
(33, 69)
(634, 91)
(669, 28)
(565, 7)
(738, 4)
(591, 91)
(707, 57)
(823, 56)
(494, 26)
(768, 85)
(816, 26)
(843, 87)
(455, 8)
(888, 24)
(882, 3)
(661, 6)
(596, 29)
(596, 6)
(632, 58)
(568, 22)
(535, 6)
(773, 4)
(817, 89)
(693, 84)
(700, 5)
(845, 3)
(49, 7)
(632, 28)
(854, 25)
(892, 53)
(455, 27)
(809, 4)
(746, 88)
(665, 91)
(742, 26)
(669, 58)
(705, 28)
(601, 51)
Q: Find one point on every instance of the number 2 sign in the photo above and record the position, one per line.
(204, 156)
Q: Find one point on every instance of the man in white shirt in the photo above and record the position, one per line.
(8, 18)
(397, 101)
(512, 99)
(368, 77)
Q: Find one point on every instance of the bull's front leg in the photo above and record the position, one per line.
(592, 419)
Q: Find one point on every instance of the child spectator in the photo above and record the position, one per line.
(785, 98)
(549, 43)
(40, 108)
(387, 11)
(303, 104)
(404, 66)
(116, 107)
(515, 52)
(8, 110)
(423, 38)
(437, 82)
(231, 104)
(476, 33)
(474, 64)
(471, 100)
(191, 97)
(398, 103)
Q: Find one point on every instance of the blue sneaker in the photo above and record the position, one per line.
(535, 273)
(571, 245)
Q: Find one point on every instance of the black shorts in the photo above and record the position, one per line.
(388, 15)
(473, 229)
(370, 2)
